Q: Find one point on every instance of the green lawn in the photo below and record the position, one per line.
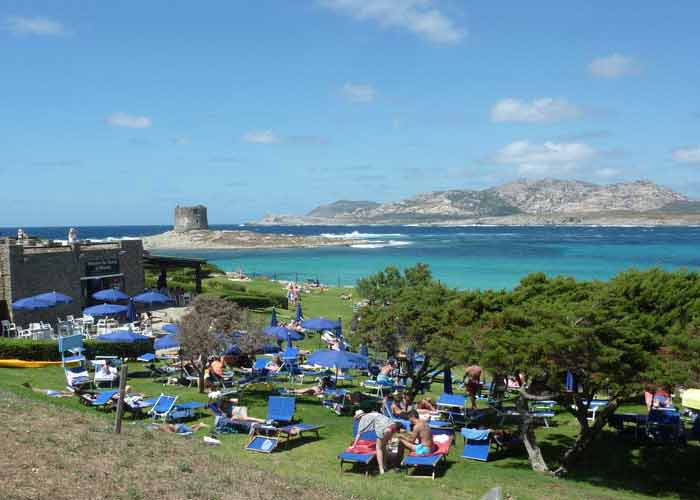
(614, 467)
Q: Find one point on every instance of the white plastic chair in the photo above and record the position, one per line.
(8, 329)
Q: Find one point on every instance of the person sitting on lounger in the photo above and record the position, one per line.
(275, 365)
(383, 427)
(420, 440)
(384, 376)
(315, 390)
(426, 405)
(662, 397)
(401, 405)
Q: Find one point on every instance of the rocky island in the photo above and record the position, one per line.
(208, 239)
(191, 231)
(523, 202)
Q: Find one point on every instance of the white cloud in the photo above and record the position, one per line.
(417, 16)
(549, 158)
(690, 154)
(40, 26)
(261, 137)
(359, 92)
(121, 119)
(613, 66)
(543, 110)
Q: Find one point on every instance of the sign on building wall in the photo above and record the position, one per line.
(101, 266)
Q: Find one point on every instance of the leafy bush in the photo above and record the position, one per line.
(251, 301)
(47, 350)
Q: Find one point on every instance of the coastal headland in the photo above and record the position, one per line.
(207, 239)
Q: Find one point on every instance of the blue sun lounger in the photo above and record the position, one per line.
(477, 444)
(162, 407)
(364, 453)
(281, 409)
(430, 462)
(102, 399)
(386, 411)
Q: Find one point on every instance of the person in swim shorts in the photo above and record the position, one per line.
(420, 440)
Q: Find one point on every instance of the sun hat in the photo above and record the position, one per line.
(359, 414)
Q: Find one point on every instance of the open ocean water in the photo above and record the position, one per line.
(464, 257)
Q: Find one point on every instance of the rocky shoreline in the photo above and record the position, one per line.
(235, 240)
(574, 219)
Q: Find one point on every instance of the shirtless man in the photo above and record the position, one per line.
(421, 433)
(472, 377)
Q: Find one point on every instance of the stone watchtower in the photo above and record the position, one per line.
(190, 218)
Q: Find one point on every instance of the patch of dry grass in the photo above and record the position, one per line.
(58, 453)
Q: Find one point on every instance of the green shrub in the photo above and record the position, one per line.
(251, 301)
(47, 350)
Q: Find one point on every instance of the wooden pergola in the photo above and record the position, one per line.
(162, 263)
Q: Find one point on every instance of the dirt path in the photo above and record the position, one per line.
(54, 453)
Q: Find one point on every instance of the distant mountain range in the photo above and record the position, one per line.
(547, 201)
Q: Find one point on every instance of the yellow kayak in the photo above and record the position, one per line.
(18, 363)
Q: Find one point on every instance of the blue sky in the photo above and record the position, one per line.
(113, 114)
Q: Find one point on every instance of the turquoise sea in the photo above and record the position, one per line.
(464, 257)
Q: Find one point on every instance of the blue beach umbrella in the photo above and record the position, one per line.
(273, 319)
(105, 310)
(54, 298)
(300, 314)
(151, 298)
(282, 333)
(234, 350)
(166, 342)
(320, 324)
(170, 328)
(110, 295)
(122, 337)
(31, 304)
(337, 359)
(131, 314)
(447, 381)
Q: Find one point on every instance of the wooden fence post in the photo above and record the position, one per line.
(120, 403)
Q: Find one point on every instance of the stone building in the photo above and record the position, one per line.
(191, 218)
(77, 270)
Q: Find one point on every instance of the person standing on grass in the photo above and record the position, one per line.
(383, 427)
(472, 382)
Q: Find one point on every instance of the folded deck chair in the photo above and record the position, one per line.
(432, 461)
(162, 407)
(281, 409)
(477, 444)
(363, 453)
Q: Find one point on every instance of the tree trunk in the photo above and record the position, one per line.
(201, 381)
(528, 434)
(586, 436)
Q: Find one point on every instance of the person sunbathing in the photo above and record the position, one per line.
(420, 440)
(50, 392)
(178, 428)
(275, 365)
(384, 376)
(426, 405)
(315, 390)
